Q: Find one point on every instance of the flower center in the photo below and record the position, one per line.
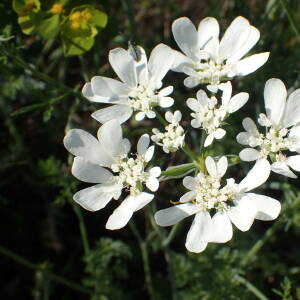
(131, 173)
(211, 116)
(273, 142)
(210, 194)
(172, 139)
(57, 9)
(143, 98)
(79, 18)
(212, 72)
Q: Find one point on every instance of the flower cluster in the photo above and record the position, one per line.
(216, 204)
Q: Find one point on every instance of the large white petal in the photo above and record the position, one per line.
(275, 99)
(237, 101)
(88, 93)
(234, 37)
(119, 112)
(149, 154)
(221, 228)
(81, 143)
(250, 64)
(193, 104)
(94, 197)
(268, 208)
(110, 88)
(208, 29)
(294, 162)
(211, 166)
(282, 168)
(110, 137)
(256, 176)
(86, 171)
(124, 65)
(242, 215)
(152, 183)
(172, 215)
(188, 196)
(189, 182)
(121, 215)
(160, 62)
(222, 165)
(291, 115)
(186, 36)
(180, 62)
(199, 233)
(249, 154)
(209, 139)
(243, 138)
(143, 144)
(250, 126)
(251, 40)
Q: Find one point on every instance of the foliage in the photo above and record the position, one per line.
(41, 99)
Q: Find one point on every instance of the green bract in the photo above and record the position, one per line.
(77, 29)
(80, 28)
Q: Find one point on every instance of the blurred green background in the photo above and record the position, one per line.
(50, 248)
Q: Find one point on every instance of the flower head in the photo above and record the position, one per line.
(282, 130)
(230, 202)
(93, 159)
(139, 89)
(207, 59)
(173, 137)
(210, 115)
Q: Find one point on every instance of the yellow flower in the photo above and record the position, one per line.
(78, 18)
(57, 9)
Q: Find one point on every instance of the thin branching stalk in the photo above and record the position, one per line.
(145, 258)
(82, 227)
(167, 254)
(26, 263)
(291, 17)
(253, 289)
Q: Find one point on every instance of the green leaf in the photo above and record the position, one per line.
(177, 171)
(24, 7)
(99, 18)
(28, 108)
(49, 27)
(76, 46)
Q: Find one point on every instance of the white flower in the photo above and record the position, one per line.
(231, 202)
(173, 137)
(209, 114)
(208, 60)
(93, 158)
(281, 115)
(138, 91)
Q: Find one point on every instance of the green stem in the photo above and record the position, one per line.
(145, 258)
(254, 290)
(291, 17)
(259, 244)
(191, 154)
(23, 261)
(203, 136)
(129, 7)
(160, 118)
(83, 232)
(167, 254)
(172, 234)
(42, 76)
